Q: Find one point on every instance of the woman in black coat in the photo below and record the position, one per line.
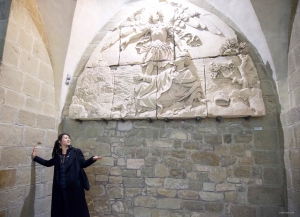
(68, 198)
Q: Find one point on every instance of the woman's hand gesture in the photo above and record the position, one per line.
(34, 152)
(97, 157)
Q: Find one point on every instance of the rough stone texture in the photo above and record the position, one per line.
(26, 119)
(169, 203)
(265, 195)
(227, 147)
(7, 178)
(206, 158)
(246, 211)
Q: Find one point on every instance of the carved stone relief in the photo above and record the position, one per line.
(157, 63)
(233, 87)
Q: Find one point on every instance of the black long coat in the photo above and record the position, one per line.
(75, 191)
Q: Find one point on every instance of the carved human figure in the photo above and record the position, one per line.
(176, 87)
(154, 43)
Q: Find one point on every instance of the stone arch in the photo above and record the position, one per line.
(223, 158)
(109, 59)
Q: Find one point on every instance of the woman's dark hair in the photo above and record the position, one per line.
(56, 147)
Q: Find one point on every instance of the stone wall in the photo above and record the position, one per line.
(291, 121)
(184, 167)
(27, 115)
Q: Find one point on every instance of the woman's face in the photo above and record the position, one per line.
(65, 141)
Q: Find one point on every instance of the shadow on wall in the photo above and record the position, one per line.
(28, 206)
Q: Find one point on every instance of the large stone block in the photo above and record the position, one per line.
(169, 203)
(188, 194)
(29, 64)
(159, 144)
(176, 183)
(40, 51)
(266, 211)
(12, 31)
(45, 73)
(265, 195)
(133, 182)
(47, 93)
(192, 205)
(295, 180)
(8, 114)
(25, 40)
(145, 201)
(161, 170)
(49, 109)
(294, 158)
(27, 118)
(31, 86)
(11, 77)
(33, 105)
(272, 176)
(294, 201)
(214, 207)
(245, 211)
(294, 80)
(205, 158)
(7, 178)
(34, 136)
(10, 135)
(45, 122)
(11, 197)
(51, 137)
(225, 187)
(42, 205)
(213, 139)
(266, 157)
(28, 175)
(11, 54)
(243, 171)
(3, 213)
(14, 99)
(216, 174)
(166, 192)
(115, 193)
(154, 182)
(135, 163)
(266, 140)
(211, 196)
(142, 212)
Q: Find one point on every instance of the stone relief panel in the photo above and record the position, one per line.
(93, 95)
(157, 63)
(233, 87)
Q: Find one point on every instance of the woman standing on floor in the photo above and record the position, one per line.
(68, 197)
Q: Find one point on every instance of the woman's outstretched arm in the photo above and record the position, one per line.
(85, 163)
(46, 163)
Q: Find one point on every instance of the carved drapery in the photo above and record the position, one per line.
(174, 61)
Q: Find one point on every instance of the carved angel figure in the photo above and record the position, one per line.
(158, 36)
(154, 42)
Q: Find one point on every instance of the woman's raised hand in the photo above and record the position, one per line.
(34, 152)
(97, 157)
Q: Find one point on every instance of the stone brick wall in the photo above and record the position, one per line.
(291, 121)
(183, 167)
(27, 116)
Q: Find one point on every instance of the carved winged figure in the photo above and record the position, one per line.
(158, 35)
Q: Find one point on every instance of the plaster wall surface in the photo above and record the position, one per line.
(57, 18)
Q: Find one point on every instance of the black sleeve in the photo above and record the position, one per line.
(84, 163)
(46, 163)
